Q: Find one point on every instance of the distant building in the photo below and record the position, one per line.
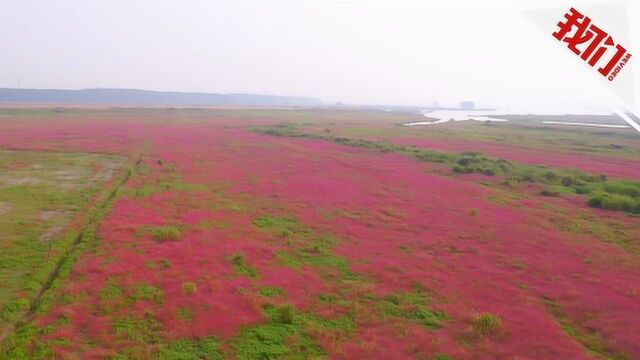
(467, 105)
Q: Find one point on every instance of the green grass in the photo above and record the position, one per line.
(16, 346)
(14, 308)
(111, 291)
(281, 337)
(412, 305)
(241, 267)
(271, 292)
(203, 349)
(308, 247)
(166, 233)
(141, 330)
(284, 226)
(148, 293)
(305, 246)
(169, 180)
(159, 264)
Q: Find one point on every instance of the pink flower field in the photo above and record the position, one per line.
(223, 242)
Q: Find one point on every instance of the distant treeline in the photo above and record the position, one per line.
(146, 97)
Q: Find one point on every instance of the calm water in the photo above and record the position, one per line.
(444, 116)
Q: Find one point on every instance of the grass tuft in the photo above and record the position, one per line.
(487, 324)
(166, 233)
(271, 292)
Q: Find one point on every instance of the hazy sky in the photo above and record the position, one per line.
(391, 52)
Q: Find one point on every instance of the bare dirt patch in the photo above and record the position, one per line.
(109, 167)
(55, 222)
(51, 233)
(10, 181)
(4, 207)
(47, 215)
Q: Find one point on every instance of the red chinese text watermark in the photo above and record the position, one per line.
(592, 43)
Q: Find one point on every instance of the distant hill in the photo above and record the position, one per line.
(146, 97)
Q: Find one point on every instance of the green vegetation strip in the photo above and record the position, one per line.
(601, 192)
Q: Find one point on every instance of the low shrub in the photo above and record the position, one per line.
(550, 176)
(238, 259)
(287, 314)
(596, 200)
(614, 202)
(618, 203)
(568, 181)
(626, 188)
(189, 287)
(487, 324)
